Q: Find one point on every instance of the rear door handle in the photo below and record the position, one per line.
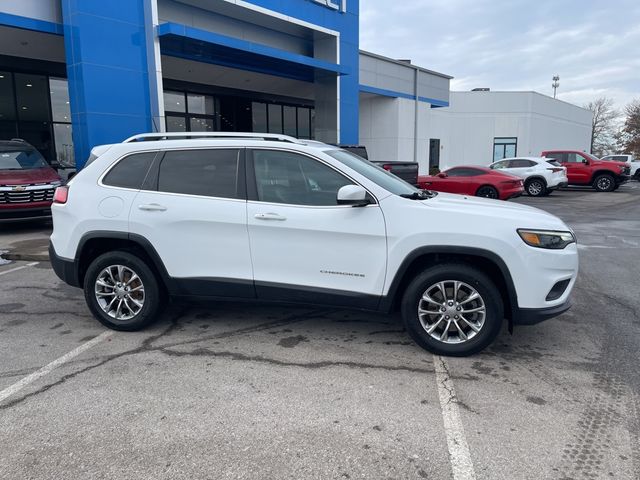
(269, 216)
(152, 207)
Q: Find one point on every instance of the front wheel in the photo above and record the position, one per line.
(452, 309)
(604, 183)
(122, 292)
(487, 192)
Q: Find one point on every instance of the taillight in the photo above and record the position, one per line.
(387, 167)
(555, 170)
(61, 195)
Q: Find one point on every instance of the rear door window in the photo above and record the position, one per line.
(209, 173)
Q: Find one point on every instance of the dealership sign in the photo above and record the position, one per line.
(337, 5)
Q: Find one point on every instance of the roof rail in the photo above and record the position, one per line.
(144, 137)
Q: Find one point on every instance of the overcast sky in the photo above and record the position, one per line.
(594, 45)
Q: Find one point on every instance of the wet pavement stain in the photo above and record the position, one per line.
(10, 307)
(14, 323)
(290, 342)
(536, 400)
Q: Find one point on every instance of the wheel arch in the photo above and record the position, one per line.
(536, 177)
(94, 244)
(488, 262)
(597, 173)
(484, 185)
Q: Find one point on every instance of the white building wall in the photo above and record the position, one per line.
(49, 10)
(538, 122)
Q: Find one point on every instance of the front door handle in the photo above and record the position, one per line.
(269, 216)
(152, 207)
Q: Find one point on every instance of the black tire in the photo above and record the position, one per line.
(152, 300)
(637, 175)
(413, 299)
(536, 187)
(548, 192)
(487, 191)
(604, 183)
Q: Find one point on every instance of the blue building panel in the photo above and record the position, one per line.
(107, 70)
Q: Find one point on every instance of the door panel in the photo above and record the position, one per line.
(304, 246)
(202, 240)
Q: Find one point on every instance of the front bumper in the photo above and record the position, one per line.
(66, 270)
(532, 316)
(620, 179)
(24, 214)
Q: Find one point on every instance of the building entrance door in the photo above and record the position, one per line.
(434, 153)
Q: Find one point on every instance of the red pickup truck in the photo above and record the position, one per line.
(585, 169)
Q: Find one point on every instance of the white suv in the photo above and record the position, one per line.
(272, 218)
(541, 175)
(632, 162)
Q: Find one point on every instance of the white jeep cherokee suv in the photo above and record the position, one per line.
(541, 175)
(272, 218)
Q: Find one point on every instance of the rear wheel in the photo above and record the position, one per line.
(122, 292)
(535, 187)
(452, 309)
(604, 183)
(637, 175)
(487, 191)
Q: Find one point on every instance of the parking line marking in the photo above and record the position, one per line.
(16, 387)
(459, 454)
(19, 268)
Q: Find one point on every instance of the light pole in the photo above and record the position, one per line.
(555, 84)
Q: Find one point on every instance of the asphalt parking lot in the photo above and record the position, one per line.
(252, 391)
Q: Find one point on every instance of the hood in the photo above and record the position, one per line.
(527, 217)
(25, 177)
(601, 163)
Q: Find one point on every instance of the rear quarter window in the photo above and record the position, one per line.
(131, 171)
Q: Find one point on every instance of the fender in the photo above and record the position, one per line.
(132, 237)
(386, 303)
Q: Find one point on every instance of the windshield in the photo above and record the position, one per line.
(376, 174)
(590, 157)
(20, 158)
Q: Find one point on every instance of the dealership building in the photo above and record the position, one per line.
(75, 74)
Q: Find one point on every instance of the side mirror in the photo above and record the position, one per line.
(585, 161)
(442, 175)
(353, 195)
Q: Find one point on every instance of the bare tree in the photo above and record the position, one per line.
(602, 125)
(630, 133)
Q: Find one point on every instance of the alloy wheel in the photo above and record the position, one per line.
(535, 188)
(604, 183)
(452, 311)
(119, 292)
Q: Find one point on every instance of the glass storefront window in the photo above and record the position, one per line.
(32, 97)
(64, 144)
(59, 91)
(201, 124)
(200, 104)
(303, 123)
(7, 99)
(176, 124)
(259, 116)
(275, 118)
(289, 116)
(174, 102)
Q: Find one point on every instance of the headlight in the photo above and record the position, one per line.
(57, 183)
(551, 239)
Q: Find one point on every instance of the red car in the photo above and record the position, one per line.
(27, 182)
(585, 169)
(478, 181)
